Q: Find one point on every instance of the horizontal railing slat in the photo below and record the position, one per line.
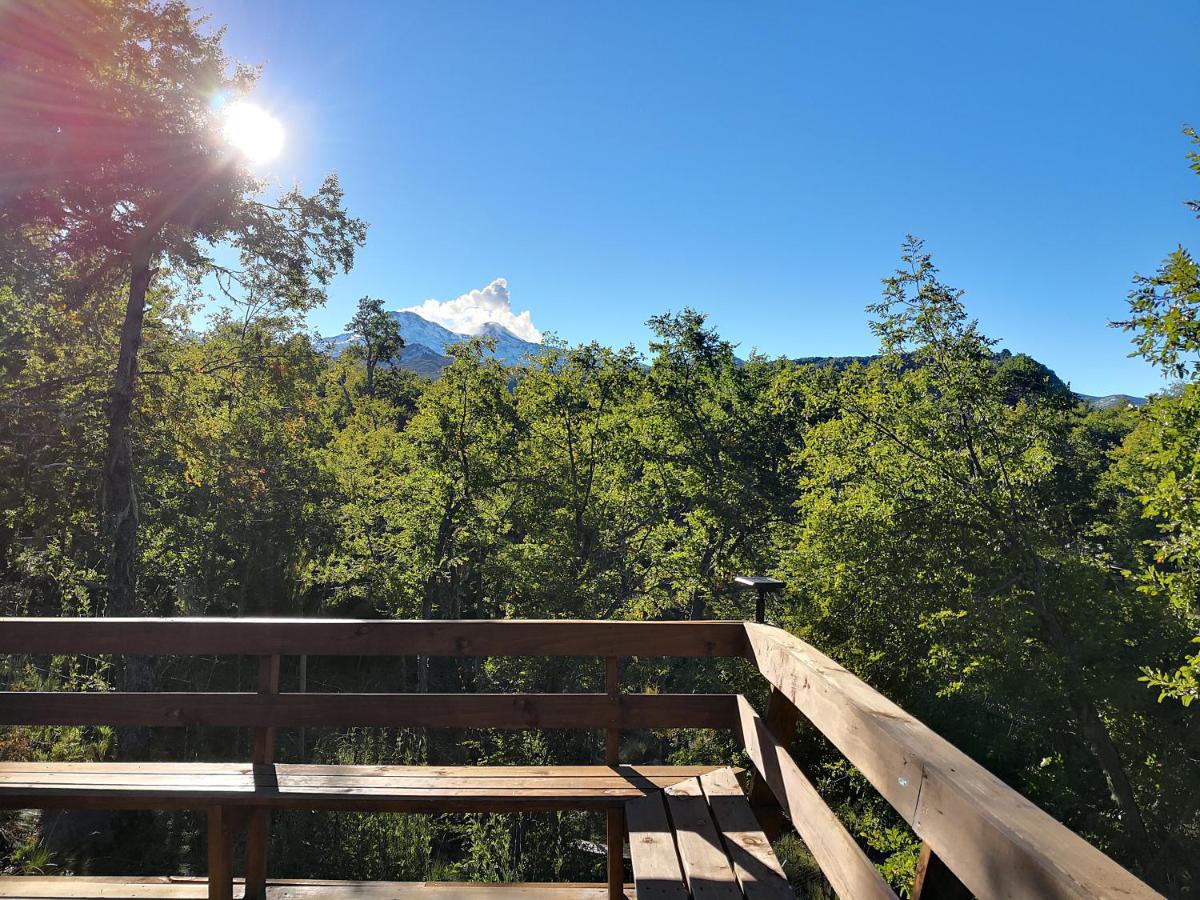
(382, 710)
(997, 842)
(369, 637)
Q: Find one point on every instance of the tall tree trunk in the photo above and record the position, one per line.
(697, 608)
(120, 498)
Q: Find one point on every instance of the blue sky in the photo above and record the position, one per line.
(760, 162)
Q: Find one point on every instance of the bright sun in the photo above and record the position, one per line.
(252, 130)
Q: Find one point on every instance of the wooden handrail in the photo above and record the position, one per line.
(997, 842)
(369, 637)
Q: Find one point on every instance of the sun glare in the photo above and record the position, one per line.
(252, 130)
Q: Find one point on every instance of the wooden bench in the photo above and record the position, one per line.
(243, 795)
(412, 789)
(179, 887)
(699, 838)
(233, 792)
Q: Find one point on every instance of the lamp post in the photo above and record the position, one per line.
(762, 586)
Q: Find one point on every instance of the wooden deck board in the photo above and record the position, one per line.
(757, 868)
(656, 870)
(706, 865)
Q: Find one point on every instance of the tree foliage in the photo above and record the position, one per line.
(1165, 322)
(954, 527)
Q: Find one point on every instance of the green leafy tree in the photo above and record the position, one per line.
(577, 522)
(379, 334)
(950, 550)
(714, 450)
(229, 435)
(115, 166)
(1165, 321)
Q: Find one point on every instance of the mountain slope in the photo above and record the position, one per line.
(425, 343)
(1110, 400)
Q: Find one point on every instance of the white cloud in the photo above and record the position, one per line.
(470, 312)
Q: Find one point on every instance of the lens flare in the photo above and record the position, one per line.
(255, 133)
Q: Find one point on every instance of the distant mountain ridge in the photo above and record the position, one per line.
(1004, 357)
(1110, 401)
(425, 344)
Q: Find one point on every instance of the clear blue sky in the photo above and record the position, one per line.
(758, 161)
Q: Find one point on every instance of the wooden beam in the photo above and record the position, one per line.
(657, 874)
(996, 841)
(849, 871)
(612, 685)
(933, 881)
(782, 717)
(369, 637)
(258, 834)
(616, 856)
(220, 854)
(268, 685)
(383, 710)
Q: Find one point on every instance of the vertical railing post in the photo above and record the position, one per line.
(258, 834)
(935, 881)
(781, 720)
(612, 686)
(612, 757)
(220, 853)
(304, 690)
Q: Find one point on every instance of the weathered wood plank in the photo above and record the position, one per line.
(997, 842)
(284, 780)
(758, 871)
(188, 888)
(409, 710)
(369, 637)
(847, 868)
(657, 874)
(332, 770)
(498, 789)
(782, 717)
(706, 865)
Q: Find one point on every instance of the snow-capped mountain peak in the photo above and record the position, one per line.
(426, 342)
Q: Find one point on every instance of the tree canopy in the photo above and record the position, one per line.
(1017, 569)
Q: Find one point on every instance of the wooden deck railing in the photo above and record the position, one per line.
(980, 836)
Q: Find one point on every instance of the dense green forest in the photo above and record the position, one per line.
(1018, 570)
